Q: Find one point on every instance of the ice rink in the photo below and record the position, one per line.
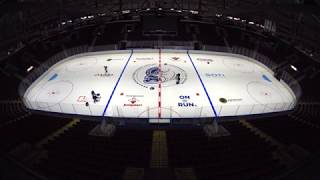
(159, 84)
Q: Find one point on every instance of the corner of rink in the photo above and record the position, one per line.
(158, 84)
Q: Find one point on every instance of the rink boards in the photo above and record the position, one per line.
(143, 84)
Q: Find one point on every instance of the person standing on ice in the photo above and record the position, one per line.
(106, 69)
(178, 78)
(94, 96)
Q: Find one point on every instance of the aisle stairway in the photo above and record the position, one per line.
(159, 153)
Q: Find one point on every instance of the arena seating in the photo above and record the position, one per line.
(242, 155)
(289, 131)
(310, 90)
(75, 154)
(308, 112)
(207, 32)
(11, 110)
(115, 30)
(9, 87)
(28, 130)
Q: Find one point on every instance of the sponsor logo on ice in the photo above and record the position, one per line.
(266, 78)
(175, 58)
(205, 59)
(215, 75)
(103, 75)
(133, 102)
(53, 77)
(185, 102)
(144, 58)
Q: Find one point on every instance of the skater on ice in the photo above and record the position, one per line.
(95, 97)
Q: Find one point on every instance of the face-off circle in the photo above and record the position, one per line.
(149, 75)
(54, 93)
(264, 94)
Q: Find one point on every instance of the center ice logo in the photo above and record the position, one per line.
(152, 75)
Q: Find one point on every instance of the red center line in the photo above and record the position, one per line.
(159, 85)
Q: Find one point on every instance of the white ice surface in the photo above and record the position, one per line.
(248, 86)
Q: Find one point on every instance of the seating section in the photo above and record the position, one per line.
(11, 110)
(242, 155)
(309, 112)
(77, 155)
(289, 131)
(30, 130)
(107, 38)
(310, 90)
(9, 85)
